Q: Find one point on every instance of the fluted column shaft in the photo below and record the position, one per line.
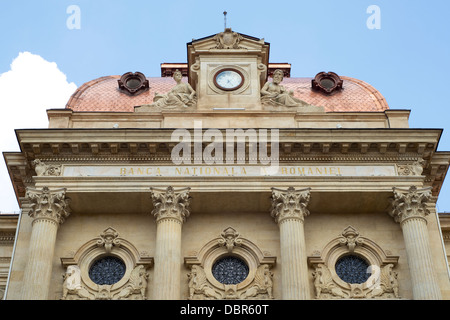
(49, 209)
(289, 211)
(171, 208)
(409, 209)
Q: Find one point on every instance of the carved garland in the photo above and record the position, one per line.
(203, 285)
(78, 285)
(382, 282)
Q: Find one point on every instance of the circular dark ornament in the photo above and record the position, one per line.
(230, 270)
(327, 82)
(352, 269)
(107, 270)
(133, 83)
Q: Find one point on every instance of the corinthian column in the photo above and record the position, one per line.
(171, 208)
(49, 208)
(289, 211)
(409, 208)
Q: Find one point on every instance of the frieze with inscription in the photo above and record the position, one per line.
(224, 171)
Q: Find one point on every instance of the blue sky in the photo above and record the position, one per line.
(407, 59)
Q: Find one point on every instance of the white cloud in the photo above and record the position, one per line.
(32, 86)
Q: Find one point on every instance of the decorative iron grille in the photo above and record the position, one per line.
(230, 270)
(352, 269)
(107, 270)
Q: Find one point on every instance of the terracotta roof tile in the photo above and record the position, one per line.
(103, 94)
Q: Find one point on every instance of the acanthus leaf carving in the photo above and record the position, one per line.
(48, 204)
(290, 204)
(411, 202)
(171, 203)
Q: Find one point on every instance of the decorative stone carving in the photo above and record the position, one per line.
(43, 169)
(290, 204)
(410, 202)
(262, 284)
(136, 285)
(132, 286)
(202, 283)
(324, 284)
(48, 204)
(72, 284)
(414, 169)
(274, 94)
(108, 239)
(350, 238)
(385, 285)
(199, 286)
(382, 282)
(171, 204)
(227, 40)
(230, 238)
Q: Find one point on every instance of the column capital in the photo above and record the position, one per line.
(410, 203)
(171, 204)
(290, 204)
(48, 204)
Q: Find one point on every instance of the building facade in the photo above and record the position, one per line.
(225, 178)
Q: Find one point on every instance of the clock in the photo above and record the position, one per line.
(228, 79)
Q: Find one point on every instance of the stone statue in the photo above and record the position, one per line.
(387, 283)
(275, 94)
(136, 284)
(72, 284)
(182, 95)
(323, 283)
(262, 284)
(199, 285)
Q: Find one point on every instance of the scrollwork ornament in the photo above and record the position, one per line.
(350, 238)
(230, 238)
(43, 169)
(108, 239)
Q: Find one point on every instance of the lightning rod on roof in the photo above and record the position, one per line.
(225, 19)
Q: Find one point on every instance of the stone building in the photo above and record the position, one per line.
(226, 178)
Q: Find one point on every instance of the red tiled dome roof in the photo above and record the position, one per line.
(103, 94)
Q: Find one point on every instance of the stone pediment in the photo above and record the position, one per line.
(228, 42)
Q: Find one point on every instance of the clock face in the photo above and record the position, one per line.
(228, 79)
